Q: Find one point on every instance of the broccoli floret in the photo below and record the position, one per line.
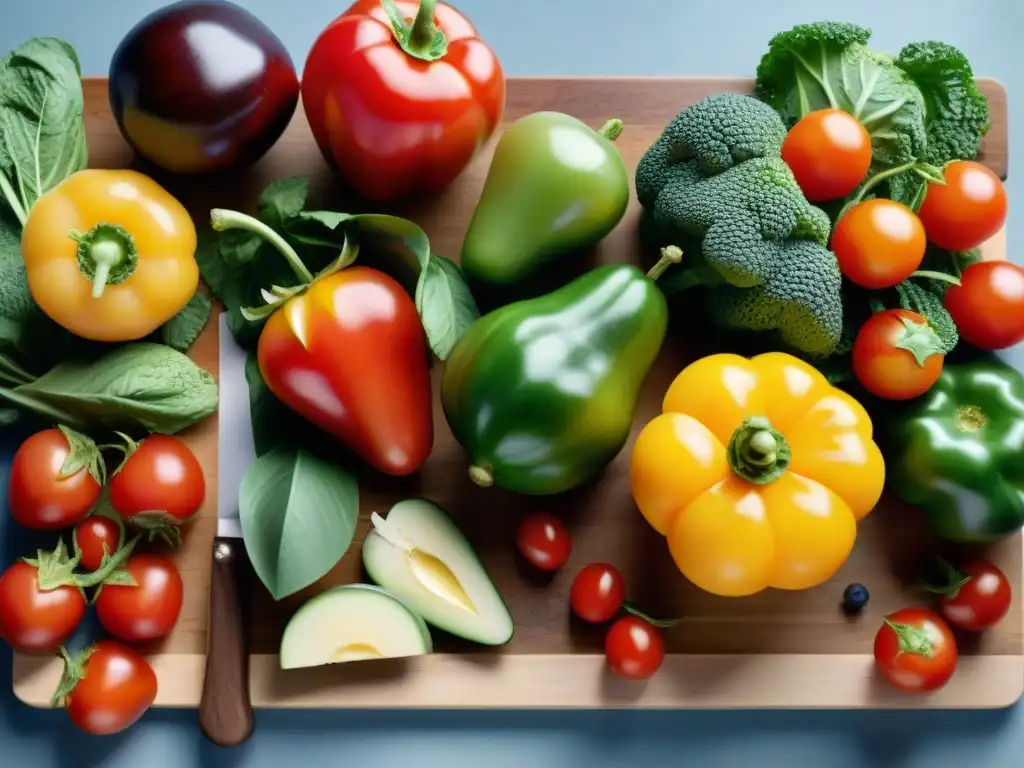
(715, 179)
(956, 112)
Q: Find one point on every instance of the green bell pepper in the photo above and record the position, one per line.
(958, 452)
(541, 393)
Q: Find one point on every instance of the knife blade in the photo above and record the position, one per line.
(225, 711)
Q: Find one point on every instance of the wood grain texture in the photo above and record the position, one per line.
(776, 648)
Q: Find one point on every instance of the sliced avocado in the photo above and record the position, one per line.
(353, 622)
(419, 554)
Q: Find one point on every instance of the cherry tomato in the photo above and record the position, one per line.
(94, 537)
(116, 687)
(633, 648)
(160, 483)
(915, 650)
(148, 610)
(38, 496)
(544, 541)
(980, 600)
(988, 305)
(33, 620)
(897, 355)
(829, 152)
(878, 243)
(597, 592)
(967, 211)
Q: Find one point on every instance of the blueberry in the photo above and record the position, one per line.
(855, 597)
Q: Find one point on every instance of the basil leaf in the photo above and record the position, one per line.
(42, 129)
(282, 200)
(138, 385)
(298, 516)
(184, 328)
(445, 305)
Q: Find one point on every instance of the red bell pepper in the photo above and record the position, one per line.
(400, 96)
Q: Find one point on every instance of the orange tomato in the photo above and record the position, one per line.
(878, 243)
(897, 355)
(829, 152)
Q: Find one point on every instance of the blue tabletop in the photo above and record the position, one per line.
(571, 37)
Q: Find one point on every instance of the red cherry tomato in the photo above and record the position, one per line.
(878, 243)
(967, 211)
(37, 494)
(988, 305)
(544, 541)
(394, 122)
(597, 592)
(829, 152)
(33, 620)
(897, 355)
(159, 484)
(148, 610)
(633, 648)
(116, 688)
(980, 600)
(96, 536)
(915, 650)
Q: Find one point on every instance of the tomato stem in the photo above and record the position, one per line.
(911, 639)
(670, 254)
(222, 220)
(933, 275)
(953, 580)
(873, 182)
(611, 130)
(630, 607)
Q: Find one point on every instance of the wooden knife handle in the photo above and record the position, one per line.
(225, 712)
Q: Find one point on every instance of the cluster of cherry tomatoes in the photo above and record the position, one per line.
(633, 646)
(880, 243)
(916, 648)
(57, 481)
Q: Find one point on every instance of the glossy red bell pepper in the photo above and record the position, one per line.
(350, 355)
(400, 95)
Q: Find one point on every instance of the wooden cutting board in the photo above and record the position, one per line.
(776, 649)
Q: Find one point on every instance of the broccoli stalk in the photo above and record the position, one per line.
(714, 185)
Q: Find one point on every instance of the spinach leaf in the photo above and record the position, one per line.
(184, 328)
(15, 298)
(298, 516)
(445, 304)
(42, 128)
(282, 200)
(137, 385)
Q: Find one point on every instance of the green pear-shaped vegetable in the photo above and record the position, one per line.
(541, 393)
(555, 186)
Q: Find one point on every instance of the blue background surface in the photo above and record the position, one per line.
(569, 37)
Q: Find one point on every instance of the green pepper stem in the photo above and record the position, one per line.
(758, 452)
(611, 130)
(482, 476)
(222, 220)
(670, 254)
(942, 276)
(422, 34)
(106, 255)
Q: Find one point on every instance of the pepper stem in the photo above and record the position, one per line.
(221, 220)
(611, 130)
(106, 255)
(423, 29)
(670, 254)
(482, 476)
(758, 452)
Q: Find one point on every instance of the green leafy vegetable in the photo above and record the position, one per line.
(922, 106)
(715, 185)
(184, 328)
(42, 129)
(241, 263)
(298, 516)
(135, 386)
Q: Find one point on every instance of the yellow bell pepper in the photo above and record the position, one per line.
(757, 471)
(110, 254)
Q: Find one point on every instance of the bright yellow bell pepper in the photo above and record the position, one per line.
(110, 254)
(757, 471)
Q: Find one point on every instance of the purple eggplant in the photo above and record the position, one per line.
(202, 85)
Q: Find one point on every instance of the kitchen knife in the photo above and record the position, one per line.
(225, 712)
